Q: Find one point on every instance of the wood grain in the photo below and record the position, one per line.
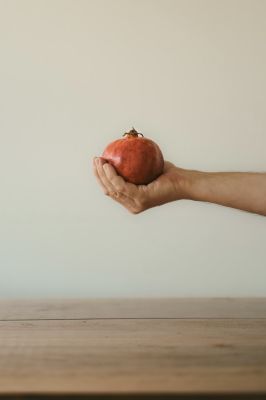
(133, 347)
(133, 308)
(133, 356)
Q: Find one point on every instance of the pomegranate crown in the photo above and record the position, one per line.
(133, 133)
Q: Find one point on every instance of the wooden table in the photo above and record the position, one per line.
(120, 349)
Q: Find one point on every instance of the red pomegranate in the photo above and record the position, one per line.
(137, 159)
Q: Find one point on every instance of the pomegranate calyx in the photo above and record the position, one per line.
(133, 133)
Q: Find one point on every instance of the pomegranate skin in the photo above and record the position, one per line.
(137, 159)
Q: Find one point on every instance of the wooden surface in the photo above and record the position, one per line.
(133, 308)
(174, 347)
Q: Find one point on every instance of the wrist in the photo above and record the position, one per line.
(190, 184)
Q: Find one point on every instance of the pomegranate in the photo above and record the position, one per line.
(137, 159)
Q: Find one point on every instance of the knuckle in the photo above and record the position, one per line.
(120, 189)
(115, 195)
(118, 185)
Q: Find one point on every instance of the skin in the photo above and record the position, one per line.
(242, 190)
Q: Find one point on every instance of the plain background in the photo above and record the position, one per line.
(74, 76)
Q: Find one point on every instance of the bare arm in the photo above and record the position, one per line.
(242, 190)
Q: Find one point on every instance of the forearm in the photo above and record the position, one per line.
(242, 190)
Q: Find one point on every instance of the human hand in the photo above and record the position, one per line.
(242, 190)
(169, 186)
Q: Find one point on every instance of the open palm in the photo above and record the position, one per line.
(137, 198)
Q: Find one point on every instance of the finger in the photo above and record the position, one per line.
(116, 187)
(124, 200)
(117, 181)
(102, 175)
(99, 180)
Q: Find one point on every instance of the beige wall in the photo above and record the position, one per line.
(74, 75)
